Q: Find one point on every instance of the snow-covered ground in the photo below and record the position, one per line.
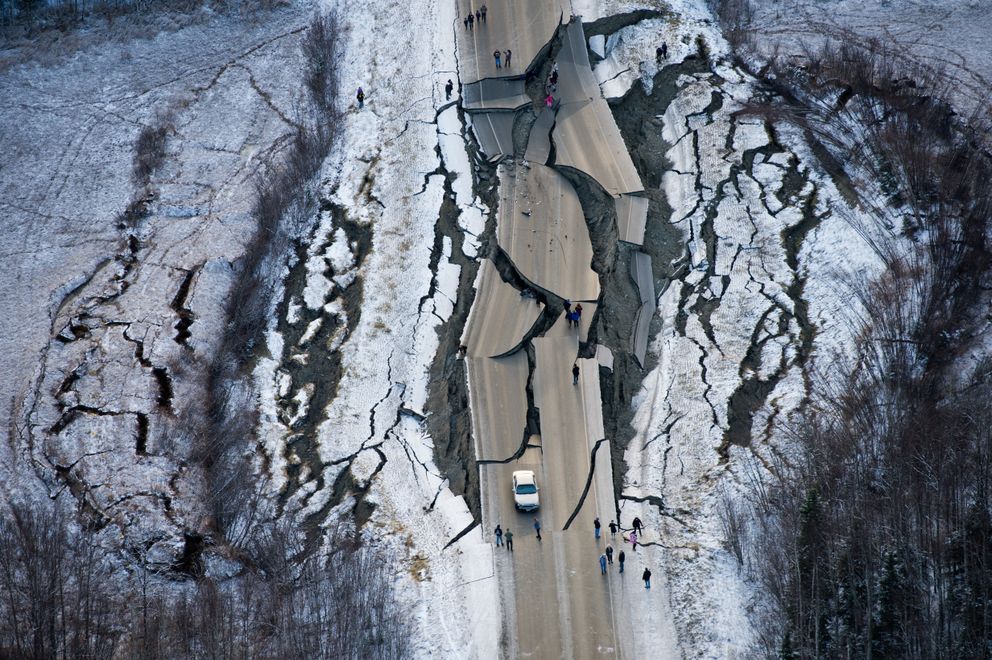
(93, 303)
(93, 319)
(232, 94)
(952, 36)
(761, 305)
(387, 175)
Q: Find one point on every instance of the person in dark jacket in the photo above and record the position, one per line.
(646, 576)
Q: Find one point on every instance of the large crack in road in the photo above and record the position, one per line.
(556, 411)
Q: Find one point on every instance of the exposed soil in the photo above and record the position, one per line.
(637, 116)
(449, 421)
(321, 371)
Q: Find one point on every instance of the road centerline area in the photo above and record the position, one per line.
(558, 602)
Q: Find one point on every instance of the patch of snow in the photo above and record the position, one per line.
(597, 44)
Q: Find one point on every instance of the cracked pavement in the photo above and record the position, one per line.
(526, 411)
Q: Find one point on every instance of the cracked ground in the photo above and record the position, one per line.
(119, 282)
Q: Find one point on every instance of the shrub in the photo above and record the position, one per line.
(284, 208)
(149, 149)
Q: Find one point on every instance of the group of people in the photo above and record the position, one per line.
(505, 539)
(478, 17)
(661, 52)
(606, 558)
(573, 316)
(503, 59)
(507, 536)
(630, 538)
(551, 86)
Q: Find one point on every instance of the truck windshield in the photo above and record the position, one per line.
(526, 489)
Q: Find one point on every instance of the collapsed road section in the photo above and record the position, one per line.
(533, 380)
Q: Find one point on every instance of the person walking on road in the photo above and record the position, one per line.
(596, 526)
(537, 528)
(465, 22)
(575, 381)
(499, 536)
(578, 313)
(471, 20)
(568, 306)
(478, 17)
(602, 564)
(496, 54)
(613, 528)
(507, 56)
(637, 525)
(633, 541)
(448, 89)
(620, 559)
(646, 576)
(361, 98)
(509, 540)
(609, 554)
(482, 12)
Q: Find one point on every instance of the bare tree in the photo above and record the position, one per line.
(874, 544)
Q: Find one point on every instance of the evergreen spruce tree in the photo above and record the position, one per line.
(812, 574)
(970, 575)
(894, 599)
(786, 651)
